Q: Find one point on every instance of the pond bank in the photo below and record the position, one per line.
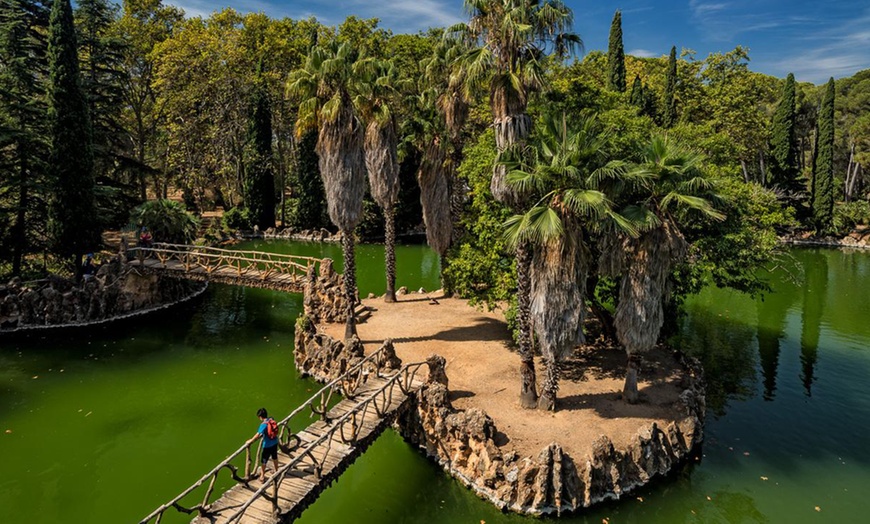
(594, 448)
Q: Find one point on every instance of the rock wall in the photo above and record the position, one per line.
(115, 291)
(463, 441)
(306, 235)
(323, 298)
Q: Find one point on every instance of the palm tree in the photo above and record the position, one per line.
(670, 183)
(511, 39)
(326, 86)
(571, 207)
(376, 99)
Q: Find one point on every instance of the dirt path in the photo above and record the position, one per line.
(484, 373)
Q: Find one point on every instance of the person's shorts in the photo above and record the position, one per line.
(270, 453)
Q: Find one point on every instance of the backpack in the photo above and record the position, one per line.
(271, 429)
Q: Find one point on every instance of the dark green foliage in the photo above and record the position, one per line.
(101, 57)
(167, 220)
(22, 128)
(823, 176)
(636, 97)
(669, 118)
(308, 193)
(783, 146)
(616, 56)
(237, 218)
(480, 266)
(259, 180)
(73, 223)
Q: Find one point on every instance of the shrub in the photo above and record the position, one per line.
(237, 218)
(167, 220)
(851, 214)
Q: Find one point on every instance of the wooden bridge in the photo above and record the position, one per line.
(308, 460)
(226, 266)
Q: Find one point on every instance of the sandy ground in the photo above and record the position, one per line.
(483, 372)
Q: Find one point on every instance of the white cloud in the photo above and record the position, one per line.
(642, 53)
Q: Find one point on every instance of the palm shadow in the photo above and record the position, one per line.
(485, 329)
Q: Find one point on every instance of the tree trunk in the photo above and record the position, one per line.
(629, 392)
(550, 386)
(745, 171)
(528, 390)
(847, 186)
(347, 246)
(390, 252)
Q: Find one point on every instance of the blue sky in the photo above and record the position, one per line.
(814, 39)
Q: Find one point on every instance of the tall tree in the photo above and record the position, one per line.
(823, 175)
(570, 205)
(259, 180)
(669, 118)
(378, 100)
(783, 146)
(22, 110)
(616, 56)
(670, 182)
(636, 98)
(326, 86)
(511, 39)
(73, 223)
(101, 55)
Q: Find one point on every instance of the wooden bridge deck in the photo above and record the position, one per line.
(373, 394)
(291, 282)
(301, 486)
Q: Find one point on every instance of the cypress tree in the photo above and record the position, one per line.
(22, 113)
(823, 176)
(649, 103)
(308, 185)
(783, 146)
(670, 115)
(259, 180)
(616, 56)
(73, 224)
(637, 95)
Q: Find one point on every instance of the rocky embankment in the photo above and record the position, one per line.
(116, 291)
(857, 239)
(292, 233)
(463, 442)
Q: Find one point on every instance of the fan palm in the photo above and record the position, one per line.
(571, 207)
(376, 98)
(670, 184)
(325, 87)
(511, 39)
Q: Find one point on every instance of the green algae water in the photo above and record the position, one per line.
(103, 425)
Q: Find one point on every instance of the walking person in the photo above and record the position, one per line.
(268, 431)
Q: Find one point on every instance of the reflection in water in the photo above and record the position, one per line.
(771, 326)
(814, 293)
(724, 347)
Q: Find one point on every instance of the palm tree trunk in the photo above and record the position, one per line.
(528, 390)
(390, 252)
(629, 391)
(347, 247)
(550, 386)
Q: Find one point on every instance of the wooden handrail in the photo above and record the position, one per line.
(245, 448)
(408, 372)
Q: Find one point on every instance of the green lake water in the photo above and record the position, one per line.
(102, 425)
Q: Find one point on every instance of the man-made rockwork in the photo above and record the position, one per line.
(857, 239)
(305, 235)
(464, 442)
(323, 299)
(116, 291)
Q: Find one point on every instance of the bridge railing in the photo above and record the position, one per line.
(210, 259)
(346, 428)
(319, 404)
